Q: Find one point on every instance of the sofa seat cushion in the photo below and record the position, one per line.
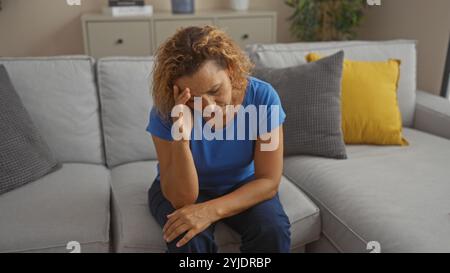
(135, 230)
(398, 196)
(71, 204)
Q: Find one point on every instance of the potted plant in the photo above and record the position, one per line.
(325, 20)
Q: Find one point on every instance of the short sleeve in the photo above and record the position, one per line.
(159, 127)
(272, 114)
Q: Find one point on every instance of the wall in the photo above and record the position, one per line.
(427, 21)
(51, 27)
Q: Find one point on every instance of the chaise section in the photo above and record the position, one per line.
(71, 204)
(135, 230)
(432, 114)
(398, 196)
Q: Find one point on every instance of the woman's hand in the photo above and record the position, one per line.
(184, 123)
(192, 219)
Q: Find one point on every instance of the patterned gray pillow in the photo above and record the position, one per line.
(311, 96)
(24, 155)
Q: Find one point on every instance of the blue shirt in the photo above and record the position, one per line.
(224, 164)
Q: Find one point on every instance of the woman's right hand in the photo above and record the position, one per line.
(181, 98)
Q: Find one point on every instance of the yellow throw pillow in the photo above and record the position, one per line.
(370, 112)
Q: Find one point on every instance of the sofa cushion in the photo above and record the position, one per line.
(126, 102)
(24, 154)
(284, 55)
(370, 112)
(311, 97)
(398, 196)
(432, 114)
(135, 230)
(61, 97)
(71, 204)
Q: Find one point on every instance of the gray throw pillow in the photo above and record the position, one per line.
(24, 155)
(311, 96)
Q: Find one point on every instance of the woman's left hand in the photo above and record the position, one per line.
(191, 219)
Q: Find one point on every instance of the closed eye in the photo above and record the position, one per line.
(213, 92)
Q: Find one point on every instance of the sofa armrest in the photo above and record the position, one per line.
(432, 114)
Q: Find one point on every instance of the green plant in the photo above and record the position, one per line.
(325, 20)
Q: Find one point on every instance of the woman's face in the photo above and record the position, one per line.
(211, 83)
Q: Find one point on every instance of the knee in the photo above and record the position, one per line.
(276, 231)
(201, 243)
(270, 236)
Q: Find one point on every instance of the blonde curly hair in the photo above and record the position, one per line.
(185, 52)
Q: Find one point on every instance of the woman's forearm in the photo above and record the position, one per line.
(244, 197)
(180, 184)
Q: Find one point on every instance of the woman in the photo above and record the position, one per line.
(202, 181)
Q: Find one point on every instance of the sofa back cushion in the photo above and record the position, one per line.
(24, 154)
(61, 97)
(126, 103)
(311, 96)
(292, 54)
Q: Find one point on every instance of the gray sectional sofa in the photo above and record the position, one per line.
(93, 115)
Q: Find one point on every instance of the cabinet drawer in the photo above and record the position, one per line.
(249, 30)
(166, 28)
(119, 39)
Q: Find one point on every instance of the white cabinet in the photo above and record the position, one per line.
(139, 36)
(249, 30)
(119, 38)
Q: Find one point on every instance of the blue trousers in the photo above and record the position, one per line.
(264, 228)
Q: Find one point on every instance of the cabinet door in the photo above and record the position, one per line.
(249, 30)
(119, 39)
(166, 28)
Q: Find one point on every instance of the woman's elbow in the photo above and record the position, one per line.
(178, 203)
(274, 184)
(271, 193)
(179, 199)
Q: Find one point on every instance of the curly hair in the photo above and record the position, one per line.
(185, 52)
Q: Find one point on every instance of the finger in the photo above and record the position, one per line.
(169, 215)
(175, 212)
(171, 228)
(191, 233)
(185, 92)
(184, 98)
(177, 232)
(176, 92)
(169, 222)
(167, 225)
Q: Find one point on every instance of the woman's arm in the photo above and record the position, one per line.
(179, 180)
(268, 171)
(197, 217)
